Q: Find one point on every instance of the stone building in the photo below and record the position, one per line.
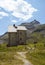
(17, 35)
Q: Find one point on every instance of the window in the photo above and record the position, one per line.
(20, 38)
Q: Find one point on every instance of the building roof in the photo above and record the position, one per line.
(12, 28)
(21, 28)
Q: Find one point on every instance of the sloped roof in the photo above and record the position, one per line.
(11, 28)
(21, 28)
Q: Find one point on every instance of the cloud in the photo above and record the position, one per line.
(19, 8)
(14, 21)
(2, 14)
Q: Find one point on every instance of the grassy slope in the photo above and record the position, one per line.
(8, 55)
(37, 56)
(36, 37)
(8, 58)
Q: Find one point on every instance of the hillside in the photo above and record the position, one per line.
(40, 28)
(31, 25)
(38, 35)
(4, 38)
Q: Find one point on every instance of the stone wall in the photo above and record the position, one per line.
(16, 38)
(12, 38)
(22, 36)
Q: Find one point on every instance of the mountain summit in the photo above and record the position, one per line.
(31, 24)
(35, 22)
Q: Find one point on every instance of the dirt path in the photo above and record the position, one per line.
(23, 58)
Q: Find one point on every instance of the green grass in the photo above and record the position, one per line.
(9, 58)
(36, 36)
(8, 55)
(37, 56)
(4, 48)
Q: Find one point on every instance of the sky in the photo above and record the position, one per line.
(20, 11)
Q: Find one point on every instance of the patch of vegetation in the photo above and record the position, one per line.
(37, 55)
(4, 48)
(8, 55)
(9, 58)
(36, 37)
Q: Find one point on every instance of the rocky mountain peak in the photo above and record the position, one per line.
(35, 22)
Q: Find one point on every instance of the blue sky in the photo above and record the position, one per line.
(19, 11)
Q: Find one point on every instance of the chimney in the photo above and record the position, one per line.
(14, 26)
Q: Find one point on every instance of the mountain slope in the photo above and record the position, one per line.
(40, 28)
(38, 35)
(31, 25)
(4, 38)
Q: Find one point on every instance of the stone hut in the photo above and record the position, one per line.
(17, 35)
